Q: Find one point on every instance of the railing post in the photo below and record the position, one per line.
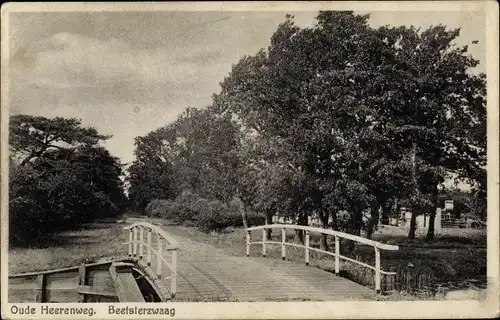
(337, 256)
(130, 242)
(135, 241)
(307, 248)
(149, 247)
(141, 242)
(173, 283)
(159, 253)
(248, 243)
(377, 270)
(264, 235)
(283, 241)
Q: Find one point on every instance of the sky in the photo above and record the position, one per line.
(129, 73)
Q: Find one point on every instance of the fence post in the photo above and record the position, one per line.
(283, 241)
(149, 247)
(130, 242)
(159, 254)
(135, 241)
(337, 256)
(377, 270)
(141, 242)
(307, 248)
(264, 235)
(173, 281)
(248, 243)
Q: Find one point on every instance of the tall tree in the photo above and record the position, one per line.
(198, 152)
(60, 186)
(31, 137)
(440, 106)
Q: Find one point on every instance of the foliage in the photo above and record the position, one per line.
(197, 153)
(207, 215)
(56, 188)
(334, 120)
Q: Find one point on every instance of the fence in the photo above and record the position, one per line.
(165, 246)
(338, 235)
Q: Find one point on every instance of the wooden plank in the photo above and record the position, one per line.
(149, 247)
(48, 287)
(377, 270)
(141, 243)
(101, 281)
(264, 234)
(157, 283)
(173, 283)
(172, 242)
(135, 242)
(248, 243)
(130, 241)
(21, 296)
(307, 248)
(84, 290)
(62, 296)
(337, 255)
(329, 232)
(62, 270)
(126, 287)
(82, 273)
(283, 242)
(40, 291)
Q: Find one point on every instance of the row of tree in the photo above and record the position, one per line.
(59, 178)
(335, 120)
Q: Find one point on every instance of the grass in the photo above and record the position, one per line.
(91, 243)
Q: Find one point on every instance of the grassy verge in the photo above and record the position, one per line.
(92, 242)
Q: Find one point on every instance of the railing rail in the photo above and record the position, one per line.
(165, 245)
(307, 248)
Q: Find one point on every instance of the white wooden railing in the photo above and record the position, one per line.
(337, 234)
(165, 246)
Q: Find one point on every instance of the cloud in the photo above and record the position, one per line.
(103, 81)
(202, 58)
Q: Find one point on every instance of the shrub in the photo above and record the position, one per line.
(187, 206)
(255, 218)
(213, 216)
(207, 215)
(165, 209)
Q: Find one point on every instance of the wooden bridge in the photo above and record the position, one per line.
(183, 270)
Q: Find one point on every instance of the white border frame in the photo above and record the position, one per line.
(290, 310)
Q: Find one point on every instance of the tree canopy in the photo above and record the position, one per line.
(336, 120)
(59, 177)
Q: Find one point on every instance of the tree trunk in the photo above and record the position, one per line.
(334, 221)
(244, 216)
(269, 220)
(358, 222)
(302, 221)
(348, 246)
(398, 209)
(413, 220)
(432, 215)
(385, 215)
(374, 217)
(323, 216)
(413, 224)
